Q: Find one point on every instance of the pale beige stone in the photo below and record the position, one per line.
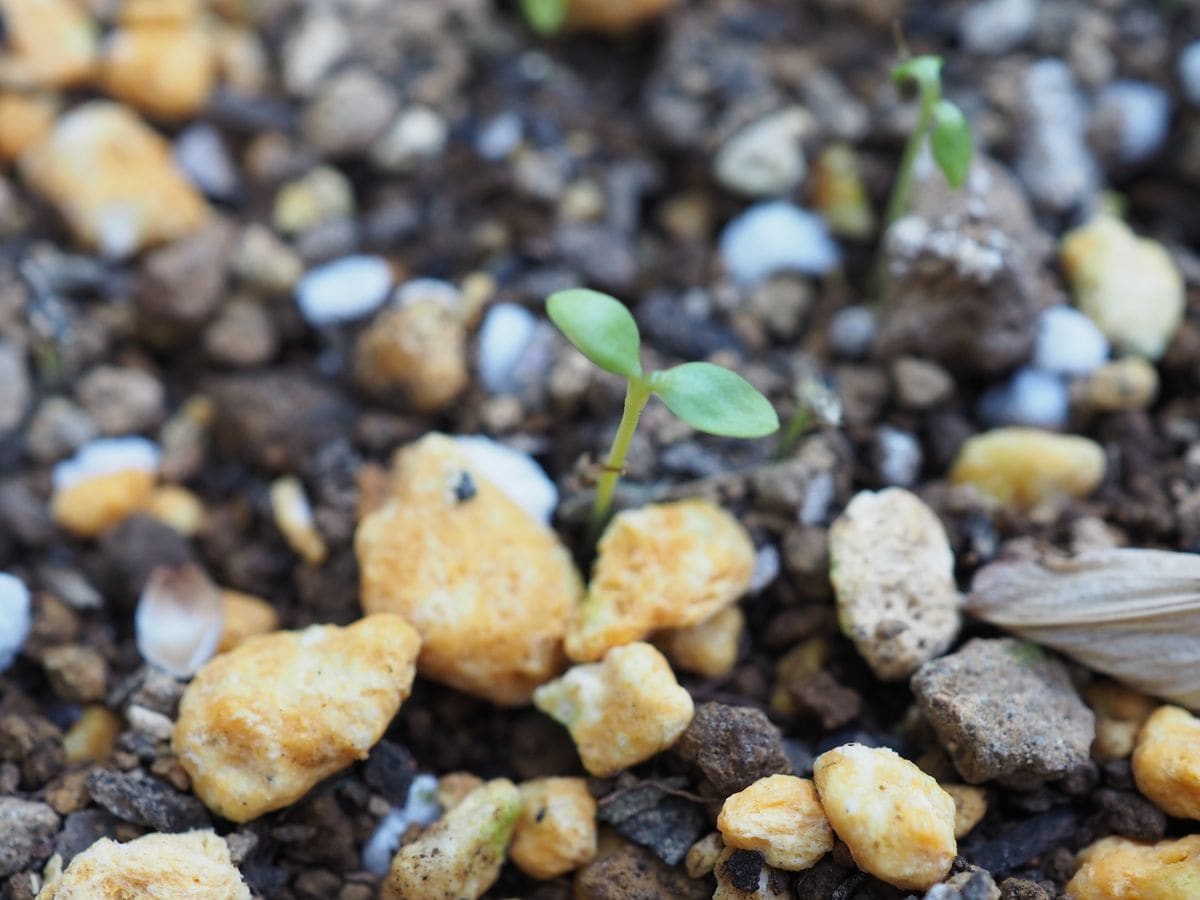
(489, 587)
(614, 17)
(194, 865)
(896, 820)
(166, 71)
(666, 565)
(113, 181)
(50, 43)
(620, 711)
(709, 648)
(970, 806)
(1120, 713)
(780, 817)
(893, 571)
(294, 518)
(94, 505)
(1129, 286)
(92, 736)
(176, 506)
(702, 856)
(243, 617)
(556, 831)
(415, 354)
(459, 856)
(263, 723)
(1023, 467)
(1116, 868)
(1166, 761)
(1122, 385)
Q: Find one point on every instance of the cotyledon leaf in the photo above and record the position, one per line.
(1128, 613)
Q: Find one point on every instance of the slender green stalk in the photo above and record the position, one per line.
(637, 394)
(799, 423)
(901, 194)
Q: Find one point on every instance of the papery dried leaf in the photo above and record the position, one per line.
(1131, 614)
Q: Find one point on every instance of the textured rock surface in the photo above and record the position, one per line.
(263, 723)
(893, 572)
(28, 829)
(1166, 761)
(780, 817)
(732, 746)
(556, 831)
(620, 711)
(488, 587)
(460, 854)
(1023, 467)
(192, 866)
(965, 273)
(897, 822)
(1116, 868)
(1004, 709)
(112, 179)
(667, 565)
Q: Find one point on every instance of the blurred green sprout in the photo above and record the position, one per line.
(941, 122)
(545, 17)
(707, 397)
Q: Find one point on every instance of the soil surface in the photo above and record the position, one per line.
(578, 160)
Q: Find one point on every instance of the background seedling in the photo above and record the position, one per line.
(707, 397)
(943, 122)
(545, 17)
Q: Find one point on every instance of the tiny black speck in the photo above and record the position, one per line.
(465, 489)
(743, 869)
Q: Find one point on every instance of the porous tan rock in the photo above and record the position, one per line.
(556, 831)
(459, 856)
(49, 43)
(780, 817)
(709, 648)
(1166, 761)
(112, 180)
(614, 17)
(666, 565)
(620, 711)
(92, 736)
(1127, 285)
(893, 572)
(415, 353)
(970, 806)
(260, 725)
(176, 506)
(1117, 868)
(489, 588)
(1023, 467)
(1120, 713)
(194, 865)
(896, 820)
(165, 70)
(94, 505)
(25, 119)
(243, 617)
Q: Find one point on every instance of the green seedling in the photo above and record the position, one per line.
(941, 121)
(546, 17)
(707, 397)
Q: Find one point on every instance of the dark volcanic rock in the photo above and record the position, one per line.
(26, 829)
(138, 798)
(651, 817)
(732, 746)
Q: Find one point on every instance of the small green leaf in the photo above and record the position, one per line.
(924, 71)
(715, 400)
(950, 140)
(545, 17)
(600, 327)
